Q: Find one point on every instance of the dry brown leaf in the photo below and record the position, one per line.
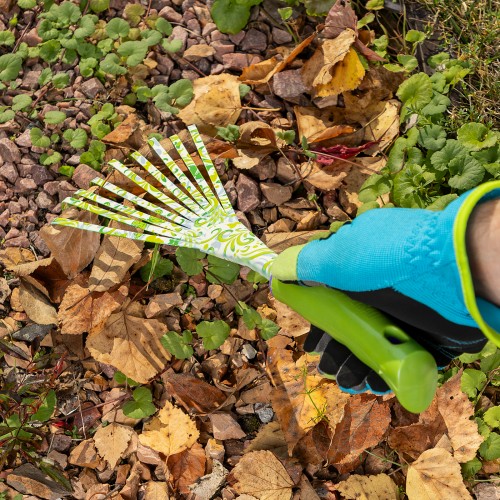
(307, 492)
(171, 432)
(36, 304)
(280, 241)
(346, 75)
(131, 343)
(194, 394)
(270, 437)
(216, 102)
(289, 321)
(15, 256)
(385, 127)
(414, 439)
(262, 72)
(82, 310)
(261, 475)
(85, 455)
(366, 420)
(197, 52)
(317, 126)
(318, 69)
(186, 467)
(129, 132)
(321, 178)
(112, 441)
(156, 490)
(299, 396)
(381, 487)
(435, 474)
(457, 412)
(113, 259)
(73, 248)
(255, 133)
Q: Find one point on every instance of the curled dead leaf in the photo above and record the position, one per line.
(186, 467)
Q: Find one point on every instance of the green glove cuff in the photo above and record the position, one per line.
(284, 267)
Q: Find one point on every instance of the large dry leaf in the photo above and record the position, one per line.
(131, 132)
(317, 126)
(216, 103)
(414, 439)
(112, 441)
(186, 467)
(171, 432)
(261, 475)
(82, 310)
(73, 248)
(318, 69)
(345, 75)
(381, 487)
(113, 259)
(156, 490)
(366, 420)
(385, 127)
(435, 474)
(262, 72)
(270, 437)
(299, 396)
(290, 322)
(36, 304)
(131, 343)
(321, 178)
(457, 412)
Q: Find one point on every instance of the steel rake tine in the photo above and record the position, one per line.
(212, 172)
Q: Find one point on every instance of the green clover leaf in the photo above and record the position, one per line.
(189, 260)
(142, 405)
(178, 345)
(54, 117)
(213, 333)
(21, 101)
(231, 16)
(416, 92)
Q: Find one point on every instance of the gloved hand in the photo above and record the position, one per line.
(411, 264)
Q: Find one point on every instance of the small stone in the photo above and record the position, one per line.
(73, 160)
(38, 173)
(92, 87)
(45, 201)
(285, 172)
(61, 442)
(179, 33)
(51, 187)
(215, 450)
(265, 169)
(237, 61)
(248, 351)
(58, 458)
(15, 207)
(83, 174)
(194, 26)
(288, 84)
(25, 186)
(170, 14)
(222, 48)
(264, 412)
(254, 40)
(281, 37)
(9, 172)
(208, 29)
(276, 193)
(32, 38)
(9, 152)
(64, 190)
(13, 233)
(21, 241)
(24, 140)
(248, 193)
(224, 427)
(237, 38)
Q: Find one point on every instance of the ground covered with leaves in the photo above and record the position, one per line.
(130, 370)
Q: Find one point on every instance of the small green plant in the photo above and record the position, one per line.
(167, 98)
(267, 328)
(231, 133)
(213, 333)
(141, 405)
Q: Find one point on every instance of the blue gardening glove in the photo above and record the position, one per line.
(411, 264)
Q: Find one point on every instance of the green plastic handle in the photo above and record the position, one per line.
(407, 368)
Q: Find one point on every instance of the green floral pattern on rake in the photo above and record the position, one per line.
(198, 216)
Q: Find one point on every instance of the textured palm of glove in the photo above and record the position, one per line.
(411, 264)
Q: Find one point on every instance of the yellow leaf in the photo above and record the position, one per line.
(36, 304)
(261, 475)
(381, 487)
(112, 441)
(172, 431)
(435, 474)
(346, 75)
(156, 490)
(216, 102)
(131, 343)
(197, 52)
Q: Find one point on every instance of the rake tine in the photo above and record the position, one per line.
(128, 210)
(175, 218)
(153, 191)
(212, 173)
(178, 173)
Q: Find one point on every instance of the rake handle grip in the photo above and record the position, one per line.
(407, 368)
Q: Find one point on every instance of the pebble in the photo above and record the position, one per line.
(64, 189)
(24, 140)
(21, 241)
(15, 207)
(276, 193)
(9, 152)
(281, 37)
(265, 169)
(248, 351)
(170, 14)
(61, 442)
(237, 61)
(25, 186)
(248, 193)
(45, 201)
(83, 174)
(9, 172)
(222, 48)
(38, 173)
(92, 87)
(264, 412)
(179, 33)
(287, 84)
(254, 41)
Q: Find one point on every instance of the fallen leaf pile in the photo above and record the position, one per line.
(252, 419)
